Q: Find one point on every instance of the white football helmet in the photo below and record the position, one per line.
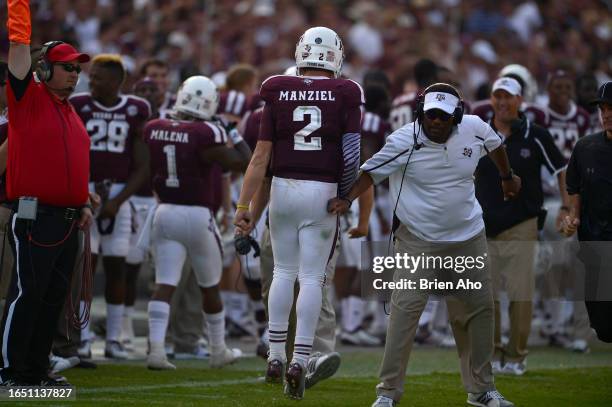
(531, 86)
(321, 48)
(198, 97)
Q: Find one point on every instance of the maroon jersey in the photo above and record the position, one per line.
(568, 128)
(374, 129)
(402, 110)
(112, 131)
(178, 174)
(535, 113)
(305, 118)
(594, 123)
(251, 128)
(234, 103)
(3, 136)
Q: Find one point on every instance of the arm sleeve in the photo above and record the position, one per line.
(351, 150)
(19, 86)
(552, 157)
(572, 177)
(391, 157)
(490, 139)
(19, 22)
(266, 127)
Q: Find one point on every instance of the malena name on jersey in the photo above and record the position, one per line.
(172, 136)
(310, 95)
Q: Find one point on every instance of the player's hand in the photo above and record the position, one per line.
(563, 212)
(86, 218)
(95, 200)
(109, 209)
(359, 231)
(243, 220)
(570, 225)
(511, 187)
(338, 206)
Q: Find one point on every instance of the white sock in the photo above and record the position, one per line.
(308, 309)
(114, 315)
(356, 310)
(281, 301)
(86, 333)
(428, 312)
(216, 331)
(159, 313)
(128, 311)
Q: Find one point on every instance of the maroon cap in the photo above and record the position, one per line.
(66, 52)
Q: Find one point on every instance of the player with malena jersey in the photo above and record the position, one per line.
(183, 150)
(311, 127)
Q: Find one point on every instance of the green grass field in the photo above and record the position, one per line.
(554, 378)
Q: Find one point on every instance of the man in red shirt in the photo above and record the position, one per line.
(48, 162)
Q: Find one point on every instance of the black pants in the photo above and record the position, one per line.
(39, 285)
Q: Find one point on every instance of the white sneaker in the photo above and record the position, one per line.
(359, 338)
(199, 353)
(383, 401)
(225, 357)
(84, 350)
(514, 368)
(448, 341)
(114, 350)
(159, 361)
(496, 367)
(491, 398)
(59, 364)
(579, 346)
(321, 367)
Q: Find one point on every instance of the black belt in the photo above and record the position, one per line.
(68, 214)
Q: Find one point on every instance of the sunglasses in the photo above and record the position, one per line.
(434, 114)
(71, 68)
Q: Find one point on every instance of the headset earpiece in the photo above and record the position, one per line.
(418, 111)
(44, 68)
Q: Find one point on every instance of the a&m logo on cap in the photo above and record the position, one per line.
(440, 97)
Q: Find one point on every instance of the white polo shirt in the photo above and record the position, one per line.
(438, 202)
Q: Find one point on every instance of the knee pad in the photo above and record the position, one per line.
(312, 280)
(285, 273)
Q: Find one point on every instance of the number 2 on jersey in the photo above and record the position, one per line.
(299, 138)
(172, 181)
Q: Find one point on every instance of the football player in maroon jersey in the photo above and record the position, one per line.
(402, 109)
(311, 124)
(586, 91)
(355, 226)
(140, 203)
(183, 151)
(157, 70)
(119, 167)
(566, 122)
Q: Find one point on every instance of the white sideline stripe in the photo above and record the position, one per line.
(132, 389)
(9, 317)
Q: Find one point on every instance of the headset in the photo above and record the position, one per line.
(44, 68)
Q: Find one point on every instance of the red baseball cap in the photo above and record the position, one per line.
(65, 52)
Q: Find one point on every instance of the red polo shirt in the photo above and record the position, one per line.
(48, 150)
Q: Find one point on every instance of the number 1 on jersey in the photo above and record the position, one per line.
(299, 138)
(172, 181)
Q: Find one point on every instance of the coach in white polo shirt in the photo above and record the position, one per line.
(430, 165)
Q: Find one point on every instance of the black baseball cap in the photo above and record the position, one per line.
(604, 94)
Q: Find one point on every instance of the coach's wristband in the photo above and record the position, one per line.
(240, 206)
(347, 201)
(235, 136)
(87, 206)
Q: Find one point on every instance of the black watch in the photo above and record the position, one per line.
(509, 176)
(347, 200)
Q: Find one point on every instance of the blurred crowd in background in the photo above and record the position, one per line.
(473, 39)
